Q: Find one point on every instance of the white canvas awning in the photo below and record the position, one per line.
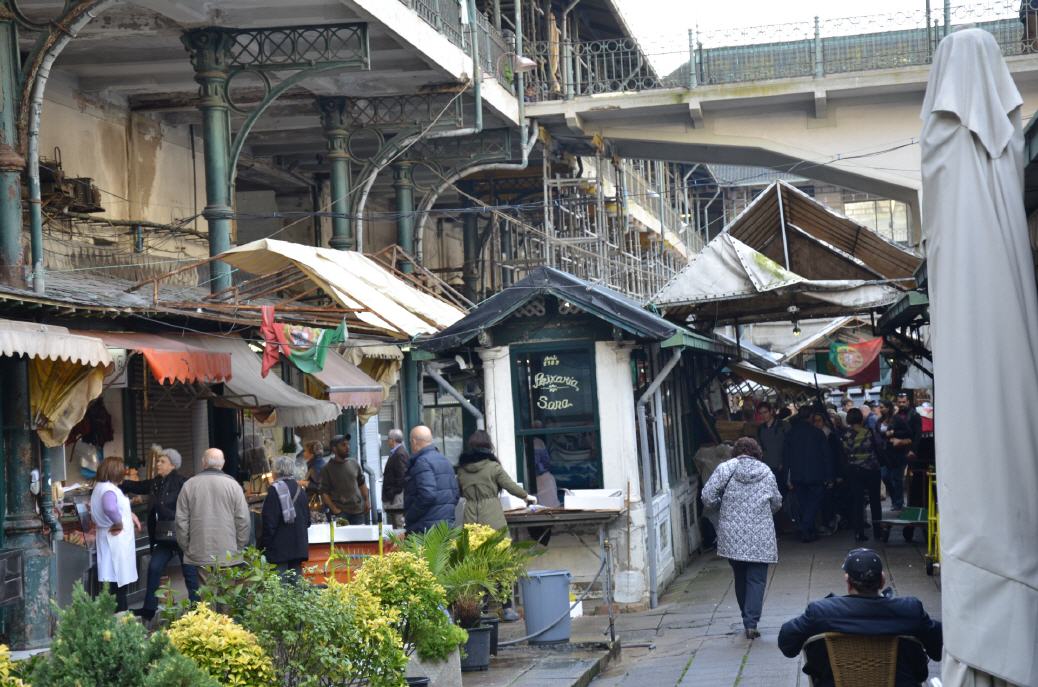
(247, 388)
(729, 281)
(353, 280)
(48, 342)
(786, 378)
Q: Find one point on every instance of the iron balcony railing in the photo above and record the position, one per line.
(802, 49)
(445, 17)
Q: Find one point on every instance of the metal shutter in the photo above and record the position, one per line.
(162, 415)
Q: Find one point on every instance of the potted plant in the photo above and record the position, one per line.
(474, 564)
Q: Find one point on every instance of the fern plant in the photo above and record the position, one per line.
(472, 563)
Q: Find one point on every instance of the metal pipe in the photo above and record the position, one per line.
(706, 213)
(430, 199)
(456, 395)
(647, 491)
(782, 224)
(69, 31)
(477, 94)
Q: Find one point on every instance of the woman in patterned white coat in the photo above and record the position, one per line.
(745, 490)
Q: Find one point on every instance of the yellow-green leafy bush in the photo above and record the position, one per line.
(224, 649)
(7, 678)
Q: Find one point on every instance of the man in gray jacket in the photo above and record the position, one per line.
(213, 522)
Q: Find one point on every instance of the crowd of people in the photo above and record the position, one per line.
(830, 463)
(205, 521)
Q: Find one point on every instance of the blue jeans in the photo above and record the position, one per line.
(894, 479)
(810, 498)
(750, 581)
(161, 555)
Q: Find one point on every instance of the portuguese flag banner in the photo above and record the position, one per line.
(306, 347)
(857, 361)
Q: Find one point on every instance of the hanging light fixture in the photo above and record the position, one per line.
(794, 311)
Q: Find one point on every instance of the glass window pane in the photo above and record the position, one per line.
(572, 458)
(556, 389)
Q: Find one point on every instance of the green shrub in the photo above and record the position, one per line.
(7, 676)
(177, 670)
(324, 637)
(95, 648)
(224, 649)
(405, 586)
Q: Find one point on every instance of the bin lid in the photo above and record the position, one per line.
(548, 573)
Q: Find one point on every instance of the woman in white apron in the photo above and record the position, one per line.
(115, 525)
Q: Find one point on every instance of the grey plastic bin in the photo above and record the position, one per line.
(545, 598)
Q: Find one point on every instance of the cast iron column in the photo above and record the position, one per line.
(11, 162)
(29, 621)
(210, 53)
(404, 210)
(333, 120)
(470, 247)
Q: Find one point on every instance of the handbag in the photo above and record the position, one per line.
(714, 514)
(166, 531)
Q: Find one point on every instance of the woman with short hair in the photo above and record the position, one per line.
(164, 490)
(745, 491)
(114, 524)
(286, 518)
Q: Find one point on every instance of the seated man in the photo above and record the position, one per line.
(864, 611)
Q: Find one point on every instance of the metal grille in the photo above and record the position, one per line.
(299, 47)
(758, 53)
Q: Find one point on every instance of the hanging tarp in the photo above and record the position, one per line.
(788, 379)
(353, 280)
(381, 362)
(984, 335)
(171, 359)
(347, 385)
(247, 388)
(66, 372)
(729, 281)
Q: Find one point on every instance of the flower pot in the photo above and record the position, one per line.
(477, 649)
(493, 621)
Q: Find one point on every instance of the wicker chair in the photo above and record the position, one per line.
(861, 661)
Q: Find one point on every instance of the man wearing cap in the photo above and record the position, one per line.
(864, 611)
(343, 489)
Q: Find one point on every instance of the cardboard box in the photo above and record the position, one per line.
(594, 499)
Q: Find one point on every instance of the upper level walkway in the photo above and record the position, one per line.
(834, 100)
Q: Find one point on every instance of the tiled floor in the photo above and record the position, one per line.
(696, 633)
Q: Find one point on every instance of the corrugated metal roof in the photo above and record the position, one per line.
(742, 175)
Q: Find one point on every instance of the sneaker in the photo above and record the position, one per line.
(509, 615)
(752, 633)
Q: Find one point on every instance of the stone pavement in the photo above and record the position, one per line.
(694, 636)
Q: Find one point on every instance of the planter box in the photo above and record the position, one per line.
(445, 673)
(358, 552)
(321, 532)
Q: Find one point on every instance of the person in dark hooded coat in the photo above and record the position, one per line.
(481, 478)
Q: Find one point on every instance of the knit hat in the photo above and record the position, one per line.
(174, 457)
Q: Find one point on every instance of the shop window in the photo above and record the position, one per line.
(556, 415)
(443, 415)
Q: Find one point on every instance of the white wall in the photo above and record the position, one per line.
(498, 408)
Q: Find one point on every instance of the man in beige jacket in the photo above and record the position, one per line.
(213, 521)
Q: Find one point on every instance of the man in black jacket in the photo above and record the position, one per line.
(807, 456)
(431, 492)
(395, 478)
(864, 611)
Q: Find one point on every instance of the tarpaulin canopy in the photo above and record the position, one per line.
(785, 378)
(170, 358)
(51, 343)
(247, 389)
(819, 242)
(348, 386)
(65, 374)
(984, 334)
(600, 301)
(729, 281)
(383, 301)
(381, 362)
